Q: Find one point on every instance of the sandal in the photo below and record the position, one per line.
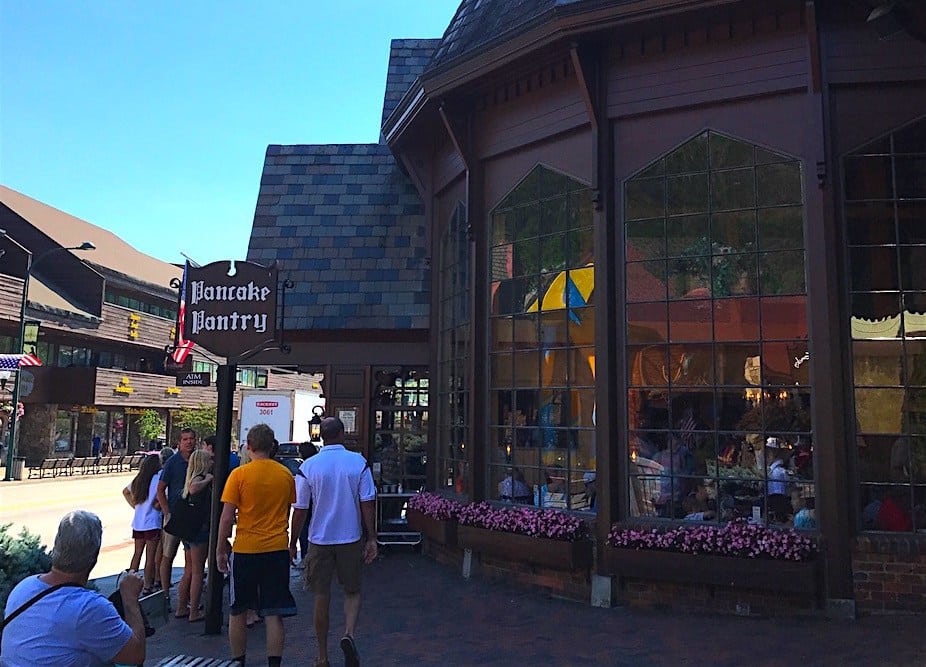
(146, 592)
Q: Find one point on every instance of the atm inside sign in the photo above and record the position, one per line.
(196, 379)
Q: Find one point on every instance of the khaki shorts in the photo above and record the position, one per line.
(325, 559)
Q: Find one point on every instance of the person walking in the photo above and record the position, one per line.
(261, 493)
(338, 486)
(198, 491)
(142, 495)
(170, 486)
(54, 619)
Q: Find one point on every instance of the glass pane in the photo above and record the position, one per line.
(781, 228)
(553, 215)
(658, 168)
(876, 315)
(500, 370)
(778, 361)
(911, 175)
(914, 315)
(553, 329)
(736, 319)
(554, 183)
(690, 278)
(779, 184)
(910, 139)
(687, 194)
(501, 333)
(781, 273)
(911, 221)
(582, 407)
(873, 268)
(580, 247)
(870, 223)
(738, 364)
(732, 189)
(878, 363)
(581, 322)
(733, 232)
(912, 262)
(525, 331)
(690, 156)
(647, 408)
(647, 322)
(648, 238)
(646, 281)
(691, 365)
(726, 152)
(764, 156)
(526, 368)
(645, 198)
(503, 229)
(647, 366)
(915, 363)
(868, 177)
(552, 252)
(526, 254)
(690, 321)
(878, 410)
(581, 362)
(733, 274)
(733, 409)
(581, 209)
(687, 235)
(784, 318)
(500, 262)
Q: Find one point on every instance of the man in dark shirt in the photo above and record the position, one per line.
(170, 487)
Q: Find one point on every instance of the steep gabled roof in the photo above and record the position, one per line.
(347, 226)
(407, 60)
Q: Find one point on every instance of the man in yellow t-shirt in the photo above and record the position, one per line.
(261, 493)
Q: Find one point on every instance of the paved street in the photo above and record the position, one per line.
(39, 505)
(417, 612)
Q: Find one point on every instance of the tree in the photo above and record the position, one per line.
(150, 425)
(201, 419)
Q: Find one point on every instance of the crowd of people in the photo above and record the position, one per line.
(54, 619)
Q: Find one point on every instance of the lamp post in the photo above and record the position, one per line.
(30, 265)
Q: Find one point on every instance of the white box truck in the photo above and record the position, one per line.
(286, 411)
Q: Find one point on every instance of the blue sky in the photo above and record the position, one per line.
(151, 119)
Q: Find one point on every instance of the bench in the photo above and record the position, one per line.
(78, 464)
(115, 463)
(193, 661)
(134, 462)
(51, 466)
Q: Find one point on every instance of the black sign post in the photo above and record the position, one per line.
(230, 310)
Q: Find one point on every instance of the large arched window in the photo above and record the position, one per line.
(718, 401)
(542, 344)
(885, 217)
(454, 353)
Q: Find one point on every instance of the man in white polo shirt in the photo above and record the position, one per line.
(338, 485)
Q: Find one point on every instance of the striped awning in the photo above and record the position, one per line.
(13, 361)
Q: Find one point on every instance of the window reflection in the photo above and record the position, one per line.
(543, 404)
(885, 234)
(717, 351)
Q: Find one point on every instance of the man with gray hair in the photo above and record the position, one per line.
(53, 619)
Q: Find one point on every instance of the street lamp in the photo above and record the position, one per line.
(315, 424)
(30, 265)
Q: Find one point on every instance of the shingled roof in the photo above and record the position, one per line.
(347, 226)
(407, 60)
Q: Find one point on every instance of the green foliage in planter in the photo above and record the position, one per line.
(20, 556)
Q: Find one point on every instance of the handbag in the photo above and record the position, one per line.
(187, 517)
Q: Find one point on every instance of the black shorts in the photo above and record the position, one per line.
(261, 582)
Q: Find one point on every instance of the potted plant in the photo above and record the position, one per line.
(736, 554)
(434, 516)
(549, 537)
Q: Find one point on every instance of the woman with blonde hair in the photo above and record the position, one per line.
(142, 495)
(197, 489)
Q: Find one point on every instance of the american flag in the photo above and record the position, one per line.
(182, 346)
(14, 361)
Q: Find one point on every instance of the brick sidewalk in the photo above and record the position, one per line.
(417, 612)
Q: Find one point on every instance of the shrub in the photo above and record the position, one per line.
(20, 556)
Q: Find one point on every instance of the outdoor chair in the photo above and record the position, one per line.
(115, 463)
(79, 465)
(38, 472)
(102, 464)
(134, 462)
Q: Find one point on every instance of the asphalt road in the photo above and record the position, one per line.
(38, 505)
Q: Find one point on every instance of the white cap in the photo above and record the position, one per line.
(773, 443)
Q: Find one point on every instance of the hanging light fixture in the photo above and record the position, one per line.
(315, 424)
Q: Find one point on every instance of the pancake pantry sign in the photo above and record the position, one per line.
(230, 308)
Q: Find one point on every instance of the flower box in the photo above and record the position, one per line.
(436, 530)
(556, 554)
(728, 571)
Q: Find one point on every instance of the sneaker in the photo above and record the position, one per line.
(299, 564)
(351, 657)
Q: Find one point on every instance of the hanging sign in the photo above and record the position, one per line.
(230, 307)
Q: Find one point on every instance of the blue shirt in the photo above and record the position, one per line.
(71, 627)
(173, 474)
(233, 461)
